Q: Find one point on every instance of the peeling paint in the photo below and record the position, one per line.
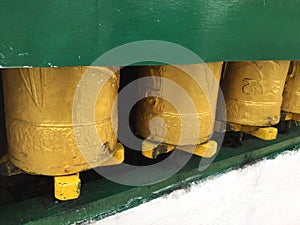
(23, 54)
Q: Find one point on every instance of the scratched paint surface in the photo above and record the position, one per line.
(76, 32)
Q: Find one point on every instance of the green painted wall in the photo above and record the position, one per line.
(76, 32)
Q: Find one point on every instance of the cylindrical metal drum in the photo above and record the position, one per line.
(169, 129)
(253, 91)
(42, 136)
(291, 94)
(3, 139)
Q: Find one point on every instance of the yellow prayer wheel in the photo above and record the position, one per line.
(157, 106)
(253, 94)
(42, 138)
(291, 94)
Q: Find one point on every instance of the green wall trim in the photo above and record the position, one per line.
(76, 32)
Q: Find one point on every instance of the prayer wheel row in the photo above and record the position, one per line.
(50, 136)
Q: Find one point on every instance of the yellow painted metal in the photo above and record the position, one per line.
(253, 91)
(118, 157)
(158, 106)
(38, 111)
(288, 116)
(205, 150)
(296, 117)
(292, 116)
(291, 94)
(264, 133)
(152, 150)
(67, 187)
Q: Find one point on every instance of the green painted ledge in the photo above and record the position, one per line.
(102, 198)
(76, 32)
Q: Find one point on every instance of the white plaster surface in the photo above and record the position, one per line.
(265, 193)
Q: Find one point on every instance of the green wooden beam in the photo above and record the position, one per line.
(75, 32)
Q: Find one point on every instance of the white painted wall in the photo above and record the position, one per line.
(266, 193)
